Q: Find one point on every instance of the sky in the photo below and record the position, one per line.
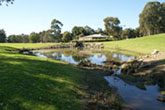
(26, 16)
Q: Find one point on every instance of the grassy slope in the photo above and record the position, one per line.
(27, 45)
(32, 83)
(144, 45)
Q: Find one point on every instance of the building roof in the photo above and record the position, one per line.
(96, 36)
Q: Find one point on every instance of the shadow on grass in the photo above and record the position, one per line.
(27, 84)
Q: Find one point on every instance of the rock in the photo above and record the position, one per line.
(115, 67)
(130, 61)
(155, 52)
(162, 99)
(125, 66)
(79, 44)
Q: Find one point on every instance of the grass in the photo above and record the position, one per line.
(32, 83)
(163, 61)
(128, 77)
(27, 45)
(144, 45)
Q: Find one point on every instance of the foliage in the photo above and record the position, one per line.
(112, 26)
(56, 27)
(2, 36)
(78, 32)
(18, 38)
(152, 18)
(89, 30)
(99, 31)
(46, 36)
(128, 33)
(34, 38)
(164, 61)
(66, 37)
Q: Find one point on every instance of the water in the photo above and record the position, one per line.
(74, 56)
(134, 97)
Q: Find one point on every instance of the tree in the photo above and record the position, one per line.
(18, 38)
(128, 33)
(2, 36)
(89, 30)
(66, 37)
(79, 32)
(152, 18)
(112, 26)
(56, 27)
(99, 31)
(46, 36)
(34, 38)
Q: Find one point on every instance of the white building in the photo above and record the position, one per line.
(94, 37)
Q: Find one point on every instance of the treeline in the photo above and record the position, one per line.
(54, 33)
(152, 21)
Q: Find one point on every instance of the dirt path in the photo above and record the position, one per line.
(156, 64)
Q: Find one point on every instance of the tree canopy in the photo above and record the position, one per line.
(112, 26)
(56, 27)
(34, 38)
(2, 36)
(152, 18)
(66, 37)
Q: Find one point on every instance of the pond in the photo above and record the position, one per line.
(134, 97)
(74, 56)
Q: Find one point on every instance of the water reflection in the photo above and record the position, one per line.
(74, 56)
(136, 98)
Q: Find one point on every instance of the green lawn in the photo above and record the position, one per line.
(144, 45)
(32, 83)
(27, 45)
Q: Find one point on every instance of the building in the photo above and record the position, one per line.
(94, 37)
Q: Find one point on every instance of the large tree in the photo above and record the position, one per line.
(56, 27)
(2, 36)
(112, 26)
(152, 18)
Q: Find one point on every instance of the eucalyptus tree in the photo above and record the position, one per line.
(66, 37)
(34, 38)
(18, 38)
(56, 27)
(79, 32)
(152, 18)
(2, 36)
(112, 26)
(128, 33)
(89, 30)
(99, 31)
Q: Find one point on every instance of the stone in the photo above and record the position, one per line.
(162, 99)
(155, 52)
